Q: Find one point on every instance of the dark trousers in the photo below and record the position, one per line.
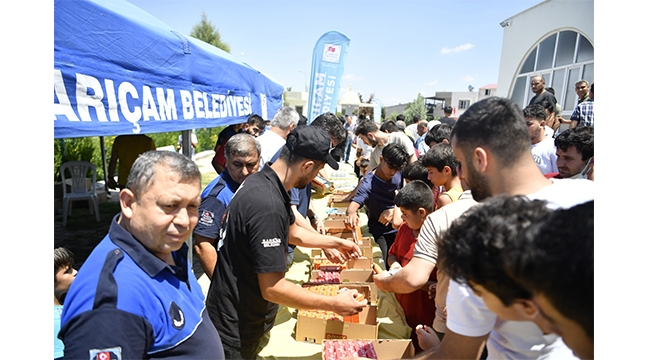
(385, 241)
(244, 353)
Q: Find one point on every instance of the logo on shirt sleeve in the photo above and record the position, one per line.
(206, 218)
(275, 242)
(114, 353)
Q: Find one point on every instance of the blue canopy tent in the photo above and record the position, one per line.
(119, 70)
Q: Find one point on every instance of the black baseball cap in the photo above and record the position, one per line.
(311, 143)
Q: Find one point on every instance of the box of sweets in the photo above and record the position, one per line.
(356, 270)
(381, 349)
(317, 325)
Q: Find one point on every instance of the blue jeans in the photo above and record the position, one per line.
(348, 147)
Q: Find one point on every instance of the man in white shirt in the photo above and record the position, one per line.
(542, 146)
(369, 132)
(492, 145)
(272, 140)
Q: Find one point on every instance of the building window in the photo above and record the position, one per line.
(562, 59)
(463, 104)
(299, 109)
(487, 92)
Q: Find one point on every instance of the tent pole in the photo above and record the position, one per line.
(102, 146)
(186, 148)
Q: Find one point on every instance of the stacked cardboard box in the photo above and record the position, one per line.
(314, 326)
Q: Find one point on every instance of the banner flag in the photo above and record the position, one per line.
(326, 73)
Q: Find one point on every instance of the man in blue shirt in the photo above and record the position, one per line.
(242, 153)
(135, 296)
(583, 114)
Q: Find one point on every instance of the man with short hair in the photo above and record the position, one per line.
(542, 146)
(547, 259)
(583, 114)
(135, 296)
(254, 126)
(242, 160)
(575, 153)
(447, 119)
(272, 140)
(249, 283)
(537, 84)
(582, 90)
(369, 132)
(492, 145)
(420, 144)
(301, 198)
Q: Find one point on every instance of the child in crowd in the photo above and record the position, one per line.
(441, 165)
(415, 202)
(377, 192)
(412, 171)
(63, 276)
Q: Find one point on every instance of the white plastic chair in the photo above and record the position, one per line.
(78, 171)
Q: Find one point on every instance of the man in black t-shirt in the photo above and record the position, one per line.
(447, 110)
(537, 84)
(248, 283)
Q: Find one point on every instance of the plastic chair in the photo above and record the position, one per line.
(79, 191)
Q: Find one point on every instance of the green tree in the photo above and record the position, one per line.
(78, 149)
(205, 31)
(415, 107)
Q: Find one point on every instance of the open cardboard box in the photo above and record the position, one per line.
(348, 276)
(357, 271)
(335, 201)
(314, 330)
(388, 349)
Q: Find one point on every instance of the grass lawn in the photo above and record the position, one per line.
(206, 177)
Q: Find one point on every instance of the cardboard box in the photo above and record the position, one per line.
(356, 271)
(386, 349)
(335, 200)
(335, 226)
(313, 330)
(348, 276)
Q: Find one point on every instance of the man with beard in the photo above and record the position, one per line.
(575, 153)
(537, 84)
(248, 283)
(492, 145)
(369, 132)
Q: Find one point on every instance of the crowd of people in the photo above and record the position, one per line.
(485, 224)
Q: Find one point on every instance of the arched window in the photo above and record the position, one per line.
(562, 59)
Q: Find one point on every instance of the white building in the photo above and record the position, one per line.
(458, 100)
(297, 100)
(555, 39)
